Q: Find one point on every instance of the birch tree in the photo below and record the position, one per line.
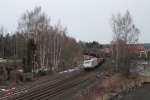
(35, 24)
(124, 33)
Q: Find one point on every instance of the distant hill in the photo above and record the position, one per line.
(146, 45)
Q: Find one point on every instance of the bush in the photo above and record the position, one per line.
(3, 73)
(28, 76)
(16, 76)
(43, 72)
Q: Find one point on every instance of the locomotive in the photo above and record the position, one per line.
(93, 60)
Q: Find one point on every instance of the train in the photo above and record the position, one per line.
(92, 61)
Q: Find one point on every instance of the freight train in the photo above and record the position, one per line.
(92, 61)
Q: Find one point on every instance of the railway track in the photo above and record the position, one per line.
(59, 88)
(52, 79)
(21, 90)
(48, 87)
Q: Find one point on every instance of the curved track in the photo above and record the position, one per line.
(61, 88)
(55, 88)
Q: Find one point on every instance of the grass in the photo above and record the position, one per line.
(112, 86)
(4, 81)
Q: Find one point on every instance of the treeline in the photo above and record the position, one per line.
(11, 45)
(40, 45)
(90, 47)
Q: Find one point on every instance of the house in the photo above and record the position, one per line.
(138, 49)
(107, 51)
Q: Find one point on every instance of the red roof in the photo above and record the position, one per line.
(107, 50)
(136, 47)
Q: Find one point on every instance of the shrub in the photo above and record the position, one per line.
(28, 76)
(43, 72)
(16, 76)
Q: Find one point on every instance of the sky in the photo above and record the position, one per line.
(85, 20)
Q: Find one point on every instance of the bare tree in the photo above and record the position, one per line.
(35, 24)
(124, 33)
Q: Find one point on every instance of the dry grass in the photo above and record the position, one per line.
(111, 86)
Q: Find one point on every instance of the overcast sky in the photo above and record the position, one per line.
(85, 20)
